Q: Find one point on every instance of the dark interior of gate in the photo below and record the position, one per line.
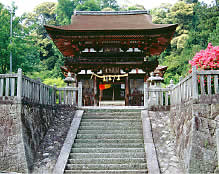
(111, 53)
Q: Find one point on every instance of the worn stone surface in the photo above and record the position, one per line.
(151, 156)
(36, 120)
(12, 153)
(164, 141)
(22, 129)
(194, 126)
(52, 143)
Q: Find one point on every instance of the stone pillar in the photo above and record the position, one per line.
(154, 83)
(79, 94)
(194, 83)
(19, 85)
(145, 95)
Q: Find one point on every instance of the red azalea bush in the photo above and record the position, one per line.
(207, 59)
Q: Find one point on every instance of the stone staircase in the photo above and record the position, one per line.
(108, 141)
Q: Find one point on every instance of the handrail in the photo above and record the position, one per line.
(25, 88)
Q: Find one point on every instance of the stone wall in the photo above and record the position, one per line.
(36, 120)
(22, 129)
(194, 124)
(12, 153)
(53, 141)
(164, 142)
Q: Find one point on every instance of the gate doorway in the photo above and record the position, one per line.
(115, 92)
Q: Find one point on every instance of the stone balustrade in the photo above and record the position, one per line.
(18, 87)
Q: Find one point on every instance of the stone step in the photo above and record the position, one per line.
(107, 155)
(108, 141)
(106, 166)
(108, 145)
(106, 161)
(94, 127)
(107, 171)
(112, 124)
(110, 131)
(88, 116)
(112, 120)
(112, 111)
(135, 140)
(106, 150)
(108, 136)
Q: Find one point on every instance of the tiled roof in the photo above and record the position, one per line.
(136, 20)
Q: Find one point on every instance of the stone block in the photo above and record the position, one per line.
(201, 110)
(214, 111)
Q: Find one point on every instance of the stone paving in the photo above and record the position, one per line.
(164, 143)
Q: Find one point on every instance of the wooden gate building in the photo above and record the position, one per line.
(111, 53)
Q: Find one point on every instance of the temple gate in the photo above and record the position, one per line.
(111, 53)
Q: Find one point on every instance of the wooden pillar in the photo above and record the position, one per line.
(100, 97)
(95, 90)
(127, 91)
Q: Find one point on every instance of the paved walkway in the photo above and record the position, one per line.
(164, 143)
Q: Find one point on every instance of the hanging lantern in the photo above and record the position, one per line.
(118, 78)
(110, 78)
(104, 78)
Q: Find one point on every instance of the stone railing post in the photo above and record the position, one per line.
(74, 96)
(145, 95)
(79, 94)
(170, 86)
(54, 94)
(194, 83)
(19, 85)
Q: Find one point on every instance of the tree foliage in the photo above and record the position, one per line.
(64, 11)
(197, 25)
(23, 47)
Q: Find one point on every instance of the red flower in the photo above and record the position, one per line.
(207, 59)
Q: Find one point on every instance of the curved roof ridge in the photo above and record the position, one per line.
(133, 12)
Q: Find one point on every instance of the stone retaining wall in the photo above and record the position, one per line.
(36, 120)
(53, 141)
(12, 153)
(194, 125)
(22, 129)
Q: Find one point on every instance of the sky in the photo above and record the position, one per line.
(28, 5)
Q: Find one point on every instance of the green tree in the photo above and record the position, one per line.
(214, 36)
(136, 7)
(23, 48)
(48, 53)
(64, 11)
(88, 5)
(198, 25)
(109, 3)
(4, 41)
